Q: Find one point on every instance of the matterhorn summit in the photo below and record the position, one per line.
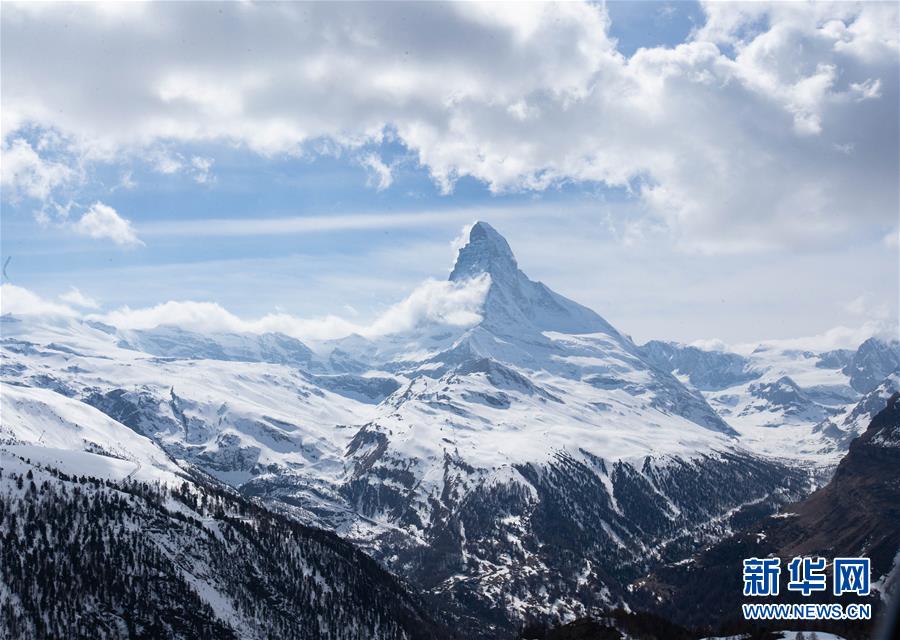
(516, 305)
(486, 251)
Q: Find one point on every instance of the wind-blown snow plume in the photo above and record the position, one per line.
(439, 302)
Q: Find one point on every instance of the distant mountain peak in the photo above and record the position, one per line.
(872, 362)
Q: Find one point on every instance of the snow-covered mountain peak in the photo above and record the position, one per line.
(516, 305)
(486, 252)
(875, 359)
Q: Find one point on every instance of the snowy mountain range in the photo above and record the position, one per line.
(535, 462)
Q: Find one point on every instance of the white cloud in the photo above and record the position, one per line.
(24, 173)
(201, 169)
(841, 337)
(380, 174)
(870, 307)
(101, 221)
(763, 95)
(21, 301)
(857, 306)
(74, 297)
(166, 162)
(712, 344)
(433, 302)
(212, 317)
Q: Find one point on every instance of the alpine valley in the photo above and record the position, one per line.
(536, 464)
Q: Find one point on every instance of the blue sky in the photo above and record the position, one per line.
(676, 167)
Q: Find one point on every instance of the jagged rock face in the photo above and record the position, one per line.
(857, 514)
(835, 359)
(845, 427)
(783, 395)
(706, 370)
(872, 362)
